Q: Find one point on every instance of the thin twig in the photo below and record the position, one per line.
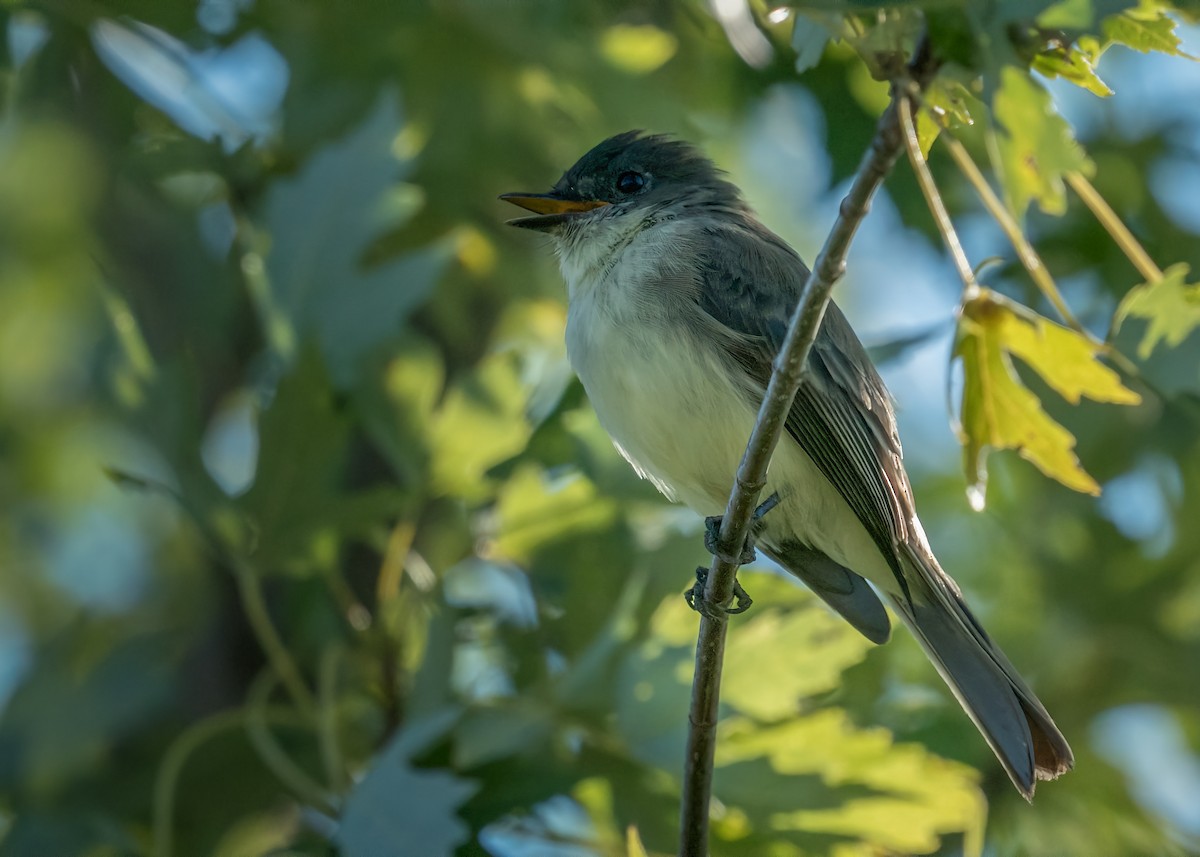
(249, 584)
(1112, 224)
(1029, 257)
(255, 605)
(273, 756)
(1130, 246)
(1033, 262)
(751, 476)
(166, 781)
(934, 200)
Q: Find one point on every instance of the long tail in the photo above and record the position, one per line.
(1012, 720)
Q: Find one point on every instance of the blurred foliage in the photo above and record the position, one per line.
(311, 544)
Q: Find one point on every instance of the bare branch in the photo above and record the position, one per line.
(788, 374)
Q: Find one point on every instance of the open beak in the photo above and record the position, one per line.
(549, 209)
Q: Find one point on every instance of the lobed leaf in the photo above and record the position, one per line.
(321, 222)
(1145, 29)
(1171, 306)
(999, 412)
(1037, 146)
(897, 798)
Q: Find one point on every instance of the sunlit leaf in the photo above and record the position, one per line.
(789, 648)
(481, 422)
(633, 843)
(906, 798)
(1037, 146)
(1170, 305)
(1144, 29)
(637, 49)
(534, 509)
(944, 104)
(1074, 65)
(999, 412)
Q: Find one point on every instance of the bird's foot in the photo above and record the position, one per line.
(696, 600)
(712, 530)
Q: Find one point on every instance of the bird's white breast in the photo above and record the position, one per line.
(673, 403)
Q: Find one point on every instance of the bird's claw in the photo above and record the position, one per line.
(696, 600)
(712, 530)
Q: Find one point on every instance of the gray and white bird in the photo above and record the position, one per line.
(679, 299)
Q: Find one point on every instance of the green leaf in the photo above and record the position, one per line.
(790, 648)
(398, 808)
(1037, 146)
(943, 104)
(637, 49)
(1171, 306)
(481, 422)
(534, 509)
(88, 689)
(1074, 65)
(1145, 29)
(999, 412)
(296, 503)
(906, 798)
(320, 225)
(507, 728)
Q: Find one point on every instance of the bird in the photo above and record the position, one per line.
(679, 299)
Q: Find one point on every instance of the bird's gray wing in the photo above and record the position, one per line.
(842, 417)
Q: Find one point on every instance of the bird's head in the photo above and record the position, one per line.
(632, 175)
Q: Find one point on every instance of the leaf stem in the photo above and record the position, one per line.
(273, 756)
(327, 720)
(789, 370)
(250, 588)
(1025, 252)
(166, 781)
(934, 200)
(1113, 225)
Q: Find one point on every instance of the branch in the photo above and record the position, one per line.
(788, 374)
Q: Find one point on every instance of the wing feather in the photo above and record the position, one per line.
(842, 417)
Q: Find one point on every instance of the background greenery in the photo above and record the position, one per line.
(310, 541)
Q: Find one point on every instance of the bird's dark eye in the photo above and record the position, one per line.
(630, 182)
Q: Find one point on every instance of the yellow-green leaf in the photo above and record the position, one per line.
(1170, 305)
(1074, 65)
(637, 49)
(904, 798)
(481, 422)
(1037, 146)
(999, 412)
(944, 104)
(1143, 30)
